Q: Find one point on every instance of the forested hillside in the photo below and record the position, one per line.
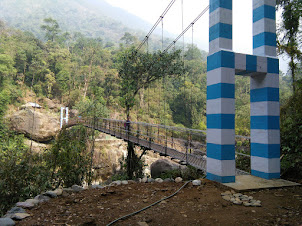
(91, 18)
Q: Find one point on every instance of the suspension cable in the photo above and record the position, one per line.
(191, 94)
(182, 28)
(156, 24)
(184, 31)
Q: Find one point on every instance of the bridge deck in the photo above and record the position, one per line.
(186, 151)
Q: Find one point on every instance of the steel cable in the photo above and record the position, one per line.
(184, 31)
(156, 24)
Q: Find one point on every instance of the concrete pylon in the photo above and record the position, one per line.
(263, 69)
(221, 94)
(265, 109)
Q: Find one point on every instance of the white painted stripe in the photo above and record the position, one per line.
(270, 108)
(240, 61)
(221, 75)
(262, 136)
(264, 25)
(258, 3)
(221, 167)
(221, 136)
(219, 44)
(263, 81)
(221, 15)
(262, 64)
(265, 51)
(265, 165)
(221, 106)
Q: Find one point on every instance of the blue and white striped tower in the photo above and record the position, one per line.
(221, 94)
(265, 113)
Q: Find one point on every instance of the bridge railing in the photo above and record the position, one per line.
(190, 142)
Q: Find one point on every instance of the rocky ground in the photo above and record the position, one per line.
(208, 204)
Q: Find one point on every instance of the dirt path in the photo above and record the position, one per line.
(191, 206)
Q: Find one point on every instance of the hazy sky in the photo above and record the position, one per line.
(150, 10)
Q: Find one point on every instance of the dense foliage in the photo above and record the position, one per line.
(291, 135)
(70, 157)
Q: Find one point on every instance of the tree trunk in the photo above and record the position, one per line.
(87, 78)
(293, 72)
(32, 82)
(130, 160)
(141, 98)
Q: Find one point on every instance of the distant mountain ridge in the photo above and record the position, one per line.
(93, 18)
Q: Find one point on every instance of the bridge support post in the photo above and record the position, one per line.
(265, 113)
(221, 94)
(62, 118)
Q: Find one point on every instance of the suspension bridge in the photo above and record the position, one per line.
(186, 145)
(214, 150)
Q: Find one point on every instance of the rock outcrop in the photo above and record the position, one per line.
(162, 166)
(40, 126)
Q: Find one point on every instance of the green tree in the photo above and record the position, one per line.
(289, 32)
(137, 70)
(129, 39)
(6, 66)
(52, 29)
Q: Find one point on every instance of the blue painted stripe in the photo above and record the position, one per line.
(214, 4)
(265, 150)
(251, 63)
(267, 176)
(226, 179)
(221, 152)
(221, 59)
(220, 30)
(220, 90)
(246, 73)
(264, 11)
(265, 122)
(273, 65)
(264, 39)
(221, 121)
(265, 94)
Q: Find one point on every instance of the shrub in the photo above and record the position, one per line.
(22, 174)
(71, 162)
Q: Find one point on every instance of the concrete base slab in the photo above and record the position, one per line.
(249, 182)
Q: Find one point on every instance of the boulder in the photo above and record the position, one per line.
(51, 194)
(11, 213)
(144, 180)
(125, 182)
(25, 205)
(32, 201)
(116, 183)
(50, 104)
(196, 182)
(35, 146)
(39, 126)
(20, 216)
(42, 198)
(159, 180)
(6, 222)
(178, 179)
(76, 188)
(161, 166)
(169, 180)
(96, 186)
(150, 180)
(58, 191)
